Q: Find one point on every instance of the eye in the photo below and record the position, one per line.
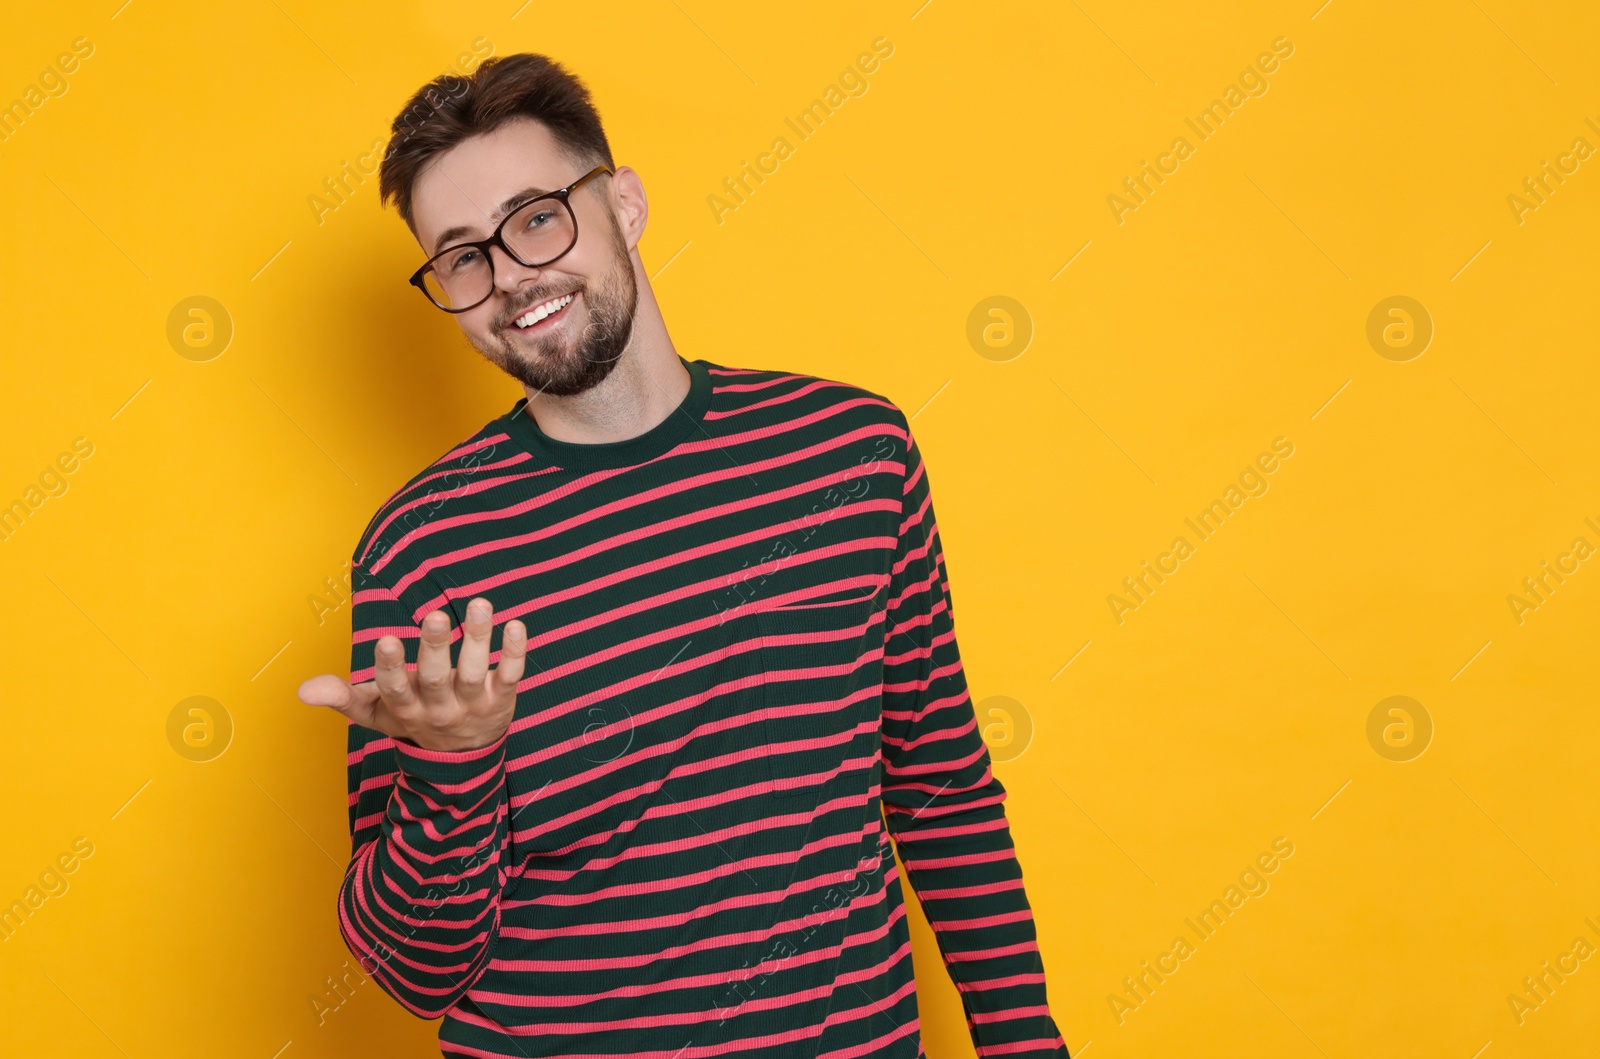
(462, 260)
(539, 218)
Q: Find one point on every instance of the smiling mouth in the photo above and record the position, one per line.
(543, 314)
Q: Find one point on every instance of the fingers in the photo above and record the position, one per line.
(357, 703)
(473, 664)
(433, 661)
(390, 676)
(513, 657)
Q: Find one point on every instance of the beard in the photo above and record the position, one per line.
(555, 365)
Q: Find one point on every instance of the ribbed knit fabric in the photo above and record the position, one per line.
(742, 661)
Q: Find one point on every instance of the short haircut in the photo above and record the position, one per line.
(452, 108)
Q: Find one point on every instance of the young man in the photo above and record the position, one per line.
(646, 672)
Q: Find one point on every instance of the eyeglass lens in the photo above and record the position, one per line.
(537, 233)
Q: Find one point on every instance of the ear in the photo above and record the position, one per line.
(629, 205)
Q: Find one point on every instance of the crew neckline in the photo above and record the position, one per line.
(659, 439)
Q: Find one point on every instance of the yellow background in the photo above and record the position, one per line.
(1228, 710)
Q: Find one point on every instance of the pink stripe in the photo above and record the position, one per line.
(961, 861)
(970, 891)
(939, 767)
(467, 489)
(1021, 1046)
(686, 704)
(413, 750)
(675, 919)
(473, 446)
(961, 807)
(633, 499)
(942, 735)
(667, 634)
(833, 1018)
(358, 941)
(991, 954)
(672, 985)
(697, 878)
(786, 397)
(674, 847)
(928, 788)
(670, 808)
(979, 985)
(360, 753)
(1013, 1013)
(691, 1017)
(916, 473)
(455, 453)
(978, 922)
(997, 824)
(689, 768)
(688, 591)
(853, 1051)
(621, 540)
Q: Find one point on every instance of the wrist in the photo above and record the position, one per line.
(453, 741)
(458, 745)
(436, 766)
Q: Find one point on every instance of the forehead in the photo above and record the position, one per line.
(464, 186)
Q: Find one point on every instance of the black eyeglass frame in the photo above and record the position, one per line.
(562, 195)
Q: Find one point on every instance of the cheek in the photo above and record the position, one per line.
(483, 323)
(608, 278)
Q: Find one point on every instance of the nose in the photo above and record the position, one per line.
(509, 273)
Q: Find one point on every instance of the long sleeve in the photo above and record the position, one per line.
(943, 805)
(420, 902)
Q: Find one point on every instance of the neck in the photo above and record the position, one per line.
(647, 384)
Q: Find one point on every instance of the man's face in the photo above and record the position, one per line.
(473, 186)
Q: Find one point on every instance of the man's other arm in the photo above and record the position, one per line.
(943, 805)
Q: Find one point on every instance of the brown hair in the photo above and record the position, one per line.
(451, 108)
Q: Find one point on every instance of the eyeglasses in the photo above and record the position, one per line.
(539, 231)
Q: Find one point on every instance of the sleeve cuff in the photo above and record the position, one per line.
(446, 768)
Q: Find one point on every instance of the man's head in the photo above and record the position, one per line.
(465, 153)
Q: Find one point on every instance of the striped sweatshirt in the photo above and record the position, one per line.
(742, 683)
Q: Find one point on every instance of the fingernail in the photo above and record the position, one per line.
(479, 610)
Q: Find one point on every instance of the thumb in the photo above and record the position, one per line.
(355, 702)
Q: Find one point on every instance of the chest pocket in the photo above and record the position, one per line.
(821, 691)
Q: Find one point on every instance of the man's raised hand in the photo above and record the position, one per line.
(436, 707)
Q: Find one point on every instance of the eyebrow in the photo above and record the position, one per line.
(450, 234)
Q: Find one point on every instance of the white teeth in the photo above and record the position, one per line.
(542, 311)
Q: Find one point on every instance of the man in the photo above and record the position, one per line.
(640, 667)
